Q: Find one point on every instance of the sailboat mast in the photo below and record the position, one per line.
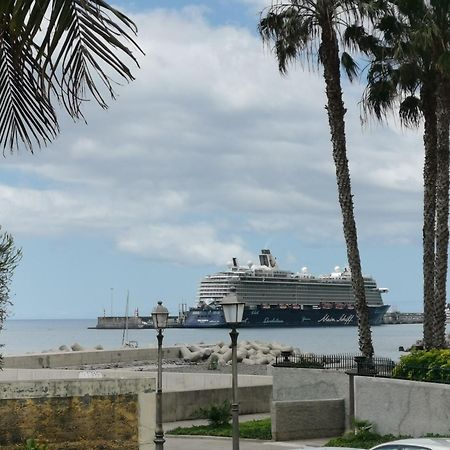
(125, 329)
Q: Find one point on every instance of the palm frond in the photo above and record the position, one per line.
(356, 37)
(410, 111)
(409, 75)
(381, 92)
(87, 37)
(67, 50)
(293, 30)
(350, 66)
(443, 62)
(26, 113)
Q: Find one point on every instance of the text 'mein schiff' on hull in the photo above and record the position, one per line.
(280, 298)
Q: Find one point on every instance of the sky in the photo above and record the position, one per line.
(209, 154)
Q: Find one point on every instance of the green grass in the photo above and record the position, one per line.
(366, 439)
(261, 429)
(255, 429)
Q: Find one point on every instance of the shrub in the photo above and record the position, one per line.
(363, 436)
(255, 429)
(423, 365)
(217, 414)
(31, 444)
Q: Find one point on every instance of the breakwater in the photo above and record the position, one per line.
(396, 317)
(131, 322)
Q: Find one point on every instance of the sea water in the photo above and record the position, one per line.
(25, 336)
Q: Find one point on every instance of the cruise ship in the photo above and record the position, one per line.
(279, 298)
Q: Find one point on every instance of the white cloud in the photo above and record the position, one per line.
(210, 129)
(189, 244)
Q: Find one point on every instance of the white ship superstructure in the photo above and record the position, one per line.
(266, 284)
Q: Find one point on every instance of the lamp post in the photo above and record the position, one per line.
(160, 315)
(233, 311)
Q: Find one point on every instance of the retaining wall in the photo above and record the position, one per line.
(307, 419)
(183, 405)
(78, 414)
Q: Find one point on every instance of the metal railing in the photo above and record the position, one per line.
(360, 365)
(357, 364)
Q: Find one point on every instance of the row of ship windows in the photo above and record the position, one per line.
(303, 287)
(287, 298)
(275, 292)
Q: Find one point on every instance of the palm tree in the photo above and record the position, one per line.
(57, 51)
(310, 28)
(401, 77)
(442, 208)
(409, 62)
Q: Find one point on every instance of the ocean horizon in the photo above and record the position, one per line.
(20, 336)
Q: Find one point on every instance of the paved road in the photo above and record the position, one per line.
(195, 443)
(218, 443)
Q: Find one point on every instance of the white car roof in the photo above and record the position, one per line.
(432, 443)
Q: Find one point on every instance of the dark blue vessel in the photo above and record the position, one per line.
(280, 298)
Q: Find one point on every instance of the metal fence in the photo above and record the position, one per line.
(360, 365)
(357, 364)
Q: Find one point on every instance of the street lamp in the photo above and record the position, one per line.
(160, 316)
(233, 311)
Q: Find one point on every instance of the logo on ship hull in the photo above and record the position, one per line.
(345, 319)
(274, 320)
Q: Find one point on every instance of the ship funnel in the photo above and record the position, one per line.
(267, 259)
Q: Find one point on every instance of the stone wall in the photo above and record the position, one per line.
(87, 414)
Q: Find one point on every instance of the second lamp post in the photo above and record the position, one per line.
(160, 316)
(233, 311)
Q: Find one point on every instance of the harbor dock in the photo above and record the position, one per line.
(396, 317)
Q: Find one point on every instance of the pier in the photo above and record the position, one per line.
(131, 323)
(396, 317)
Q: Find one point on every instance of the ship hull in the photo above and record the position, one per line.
(279, 317)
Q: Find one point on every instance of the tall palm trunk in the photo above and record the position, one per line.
(428, 97)
(329, 55)
(442, 210)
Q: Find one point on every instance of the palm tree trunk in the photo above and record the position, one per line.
(428, 97)
(442, 210)
(329, 55)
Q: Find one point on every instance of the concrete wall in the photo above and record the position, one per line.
(182, 405)
(307, 419)
(185, 393)
(403, 407)
(70, 359)
(79, 414)
(308, 384)
(400, 407)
